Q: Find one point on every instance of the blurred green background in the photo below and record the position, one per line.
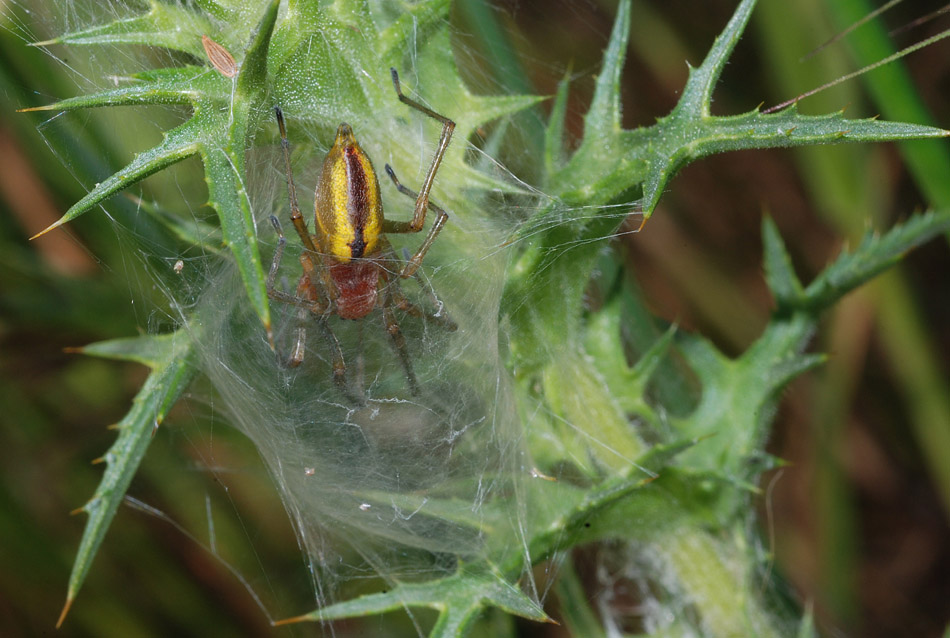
(859, 519)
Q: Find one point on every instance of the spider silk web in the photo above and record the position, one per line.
(406, 480)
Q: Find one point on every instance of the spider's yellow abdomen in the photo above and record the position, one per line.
(348, 208)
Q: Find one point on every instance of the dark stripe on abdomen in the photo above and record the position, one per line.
(356, 204)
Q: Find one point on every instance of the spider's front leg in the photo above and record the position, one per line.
(423, 203)
(310, 302)
(412, 265)
(300, 226)
(448, 127)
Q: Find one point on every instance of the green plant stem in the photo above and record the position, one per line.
(714, 579)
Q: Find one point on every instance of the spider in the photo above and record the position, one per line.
(346, 263)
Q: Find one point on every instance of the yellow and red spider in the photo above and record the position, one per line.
(346, 262)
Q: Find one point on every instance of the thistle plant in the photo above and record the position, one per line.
(547, 422)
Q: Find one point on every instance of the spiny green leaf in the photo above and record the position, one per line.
(697, 95)
(577, 393)
(487, 108)
(227, 194)
(633, 504)
(224, 165)
(603, 118)
(672, 384)
(674, 141)
(179, 143)
(785, 371)
(648, 158)
(252, 78)
(674, 500)
(627, 384)
(738, 396)
(875, 254)
(149, 350)
(172, 26)
(458, 598)
(183, 85)
(221, 139)
(555, 445)
(602, 342)
(172, 370)
(661, 455)
(554, 140)
(779, 272)
(648, 363)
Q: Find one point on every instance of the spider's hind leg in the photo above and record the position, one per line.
(339, 365)
(440, 316)
(399, 340)
(337, 361)
(300, 340)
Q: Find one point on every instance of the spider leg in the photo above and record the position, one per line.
(309, 301)
(360, 366)
(305, 305)
(336, 354)
(412, 265)
(440, 316)
(299, 224)
(448, 126)
(339, 365)
(399, 341)
(300, 342)
(278, 255)
(311, 251)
